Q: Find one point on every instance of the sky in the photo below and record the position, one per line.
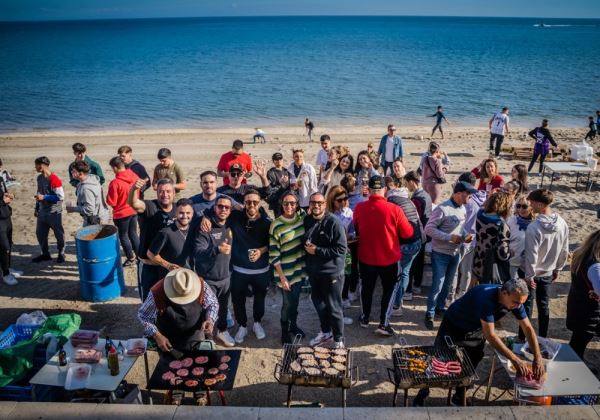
(15, 10)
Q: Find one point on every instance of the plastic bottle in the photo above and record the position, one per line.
(113, 361)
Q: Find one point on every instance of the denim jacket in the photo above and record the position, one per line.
(397, 148)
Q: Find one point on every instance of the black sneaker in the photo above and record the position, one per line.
(439, 313)
(429, 323)
(295, 330)
(42, 257)
(363, 321)
(422, 395)
(60, 259)
(385, 330)
(285, 338)
(129, 262)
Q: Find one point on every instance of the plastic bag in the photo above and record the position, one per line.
(32, 318)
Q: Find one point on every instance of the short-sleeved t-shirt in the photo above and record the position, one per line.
(152, 220)
(322, 158)
(170, 244)
(498, 123)
(228, 159)
(480, 303)
(173, 172)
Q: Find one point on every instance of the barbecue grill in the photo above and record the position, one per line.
(286, 376)
(404, 378)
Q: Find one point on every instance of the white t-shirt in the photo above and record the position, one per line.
(389, 149)
(321, 158)
(498, 123)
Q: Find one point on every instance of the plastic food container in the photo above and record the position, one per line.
(85, 339)
(77, 376)
(87, 355)
(549, 349)
(136, 346)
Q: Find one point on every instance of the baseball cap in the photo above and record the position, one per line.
(462, 186)
(277, 156)
(376, 183)
(236, 167)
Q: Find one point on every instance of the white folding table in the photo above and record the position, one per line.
(566, 167)
(100, 378)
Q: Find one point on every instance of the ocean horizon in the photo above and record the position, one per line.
(188, 73)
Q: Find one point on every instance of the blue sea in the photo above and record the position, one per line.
(210, 72)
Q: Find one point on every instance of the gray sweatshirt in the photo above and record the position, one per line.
(546, 245)
(90, 200)
(446, 220)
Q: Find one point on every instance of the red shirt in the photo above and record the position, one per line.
(497, 181)
(229, 159)
(379, 225)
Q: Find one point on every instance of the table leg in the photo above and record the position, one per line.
(406, 397)
(147, 370)
(344, 397)
(449, 398)
(208, 402)
(576, 180)
(222, 396)
(490, 379)
(551, 181)
(289, 395)
(543, 173)
(395, 396)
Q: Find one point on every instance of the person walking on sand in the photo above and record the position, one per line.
(79, 150)
(591, 135)
(309, 127)
(499, 128)
(439, 117)
(48, 210)
(543, 139)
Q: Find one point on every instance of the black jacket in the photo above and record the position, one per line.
(249, 235)
(330, 238)
(208, 261)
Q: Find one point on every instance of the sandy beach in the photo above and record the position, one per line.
(54, 288)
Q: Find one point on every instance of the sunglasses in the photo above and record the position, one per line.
(223, 207)
(317, 203)
(235, 174)
(522, 206)
(341, 199)
(253, 202)
(289, 203)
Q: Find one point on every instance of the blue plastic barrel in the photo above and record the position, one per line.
(99, 261)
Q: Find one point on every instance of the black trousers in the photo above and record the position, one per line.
(148, 276)
(45, 222)
(535, 156)
(389, 276)
(326, 295)
(499, 138)
(223, 290)
(541, 294)
(128, 235)
(239, 287)
(416, 270)
(351, 280)
(579, 341)
(5, 245)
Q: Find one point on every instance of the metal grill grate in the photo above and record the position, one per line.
(290, 354)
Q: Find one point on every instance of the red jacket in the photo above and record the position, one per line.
(379, 225)
(118, 190)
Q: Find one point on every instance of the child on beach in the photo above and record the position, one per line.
(439, 117)
(593, 129)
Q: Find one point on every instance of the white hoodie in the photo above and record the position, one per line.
(546, 245)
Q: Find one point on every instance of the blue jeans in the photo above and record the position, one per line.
(408, 252)
(443, 269)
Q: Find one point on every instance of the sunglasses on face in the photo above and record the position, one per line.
(317, 203)
(341, 199)
(522, 206)
(289, 203)
(223, 207)
(235, 174)
(252, 202)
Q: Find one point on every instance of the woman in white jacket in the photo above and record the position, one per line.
(303, 178)
(517, 224)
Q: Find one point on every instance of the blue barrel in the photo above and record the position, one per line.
(99, 261)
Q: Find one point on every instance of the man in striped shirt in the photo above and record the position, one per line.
(286, 255)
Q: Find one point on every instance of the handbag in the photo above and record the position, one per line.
(440, 180)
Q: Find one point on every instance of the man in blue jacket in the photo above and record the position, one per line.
(390, 148)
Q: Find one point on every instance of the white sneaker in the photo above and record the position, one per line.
(346, 304)
(397, 311)
(321, 338)
(416, 290)
(10, 280)
(258, 331)
(16, 273)
(338, 345)
(225, 338)
(407, 297)
(348, 321)
(242, 332)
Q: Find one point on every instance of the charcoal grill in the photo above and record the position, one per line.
(405, 379)
(286, 376)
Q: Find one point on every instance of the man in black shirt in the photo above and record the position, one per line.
(326, 247)
(250, 261)
(279, 182)
(236, 189)
(136, 167)
(153, 216)
(168, 248)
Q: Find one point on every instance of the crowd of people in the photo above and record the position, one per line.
(336, 228)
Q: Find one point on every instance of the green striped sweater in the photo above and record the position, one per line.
(286, 247)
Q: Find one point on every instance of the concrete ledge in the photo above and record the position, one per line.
(65, 411)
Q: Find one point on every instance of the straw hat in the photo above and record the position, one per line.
(182, 286)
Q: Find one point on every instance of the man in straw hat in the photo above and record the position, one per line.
(178, 310)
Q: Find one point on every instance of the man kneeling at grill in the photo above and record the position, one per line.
(470, 320)
(179, 311)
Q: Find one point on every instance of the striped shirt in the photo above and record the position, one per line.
(286, 247)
